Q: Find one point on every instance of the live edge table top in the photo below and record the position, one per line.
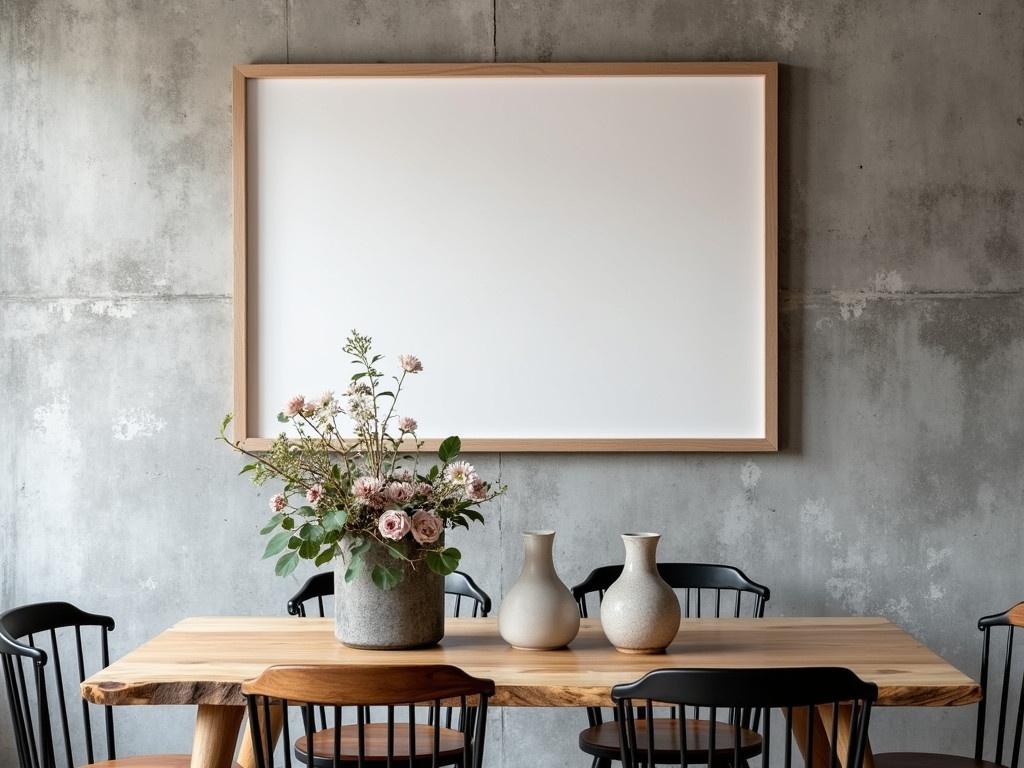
(204, 660)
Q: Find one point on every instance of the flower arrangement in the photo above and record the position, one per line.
(366, 491)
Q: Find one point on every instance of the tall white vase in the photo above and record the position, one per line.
(538, 613)
(640, 612)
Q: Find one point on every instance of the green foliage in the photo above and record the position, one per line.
(286, 564)
(386, 577)
(276, 544)
(449, 449)
(444, 562)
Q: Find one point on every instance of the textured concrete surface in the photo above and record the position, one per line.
(899, 490)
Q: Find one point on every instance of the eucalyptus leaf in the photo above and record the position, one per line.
(282, 418)
(325, 557)
(248, 468)
(354, 568)
(276, 544)
(272, 523)
(445, 561)
(309, 549)
(286, 564)
(288, 523)
(386, 577)
(335, 520)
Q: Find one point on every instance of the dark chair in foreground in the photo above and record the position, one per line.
(742, 693)
(31, 640)
(1003, 623)
(457, 585)
(467, 599)
(706, 589)
(348, 690)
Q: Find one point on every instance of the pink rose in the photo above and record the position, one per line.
(426, 526)
(476, 488)
(393, 524)
(365, 487)
(295, 406)
(314, 494)
(399, 493)
(278, 502)
(410, 363)
(407, 424)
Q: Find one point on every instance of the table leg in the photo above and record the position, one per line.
(246, 756)
(843, 733)
(822, 724)
(213, 744)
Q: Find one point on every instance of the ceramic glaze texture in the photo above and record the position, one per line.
(538, 613)
(409, 616)
(640, 612)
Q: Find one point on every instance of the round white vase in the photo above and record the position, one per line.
(640, 612)
(538, 613)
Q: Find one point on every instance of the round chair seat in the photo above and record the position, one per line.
(375, 745)
(148, 761)
(928, 760)
(603, 741)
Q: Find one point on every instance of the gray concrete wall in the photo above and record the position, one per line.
(899, 489)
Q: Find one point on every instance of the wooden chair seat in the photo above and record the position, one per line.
(602, 740)
(376, 745)
(149, 761)
(928, 760)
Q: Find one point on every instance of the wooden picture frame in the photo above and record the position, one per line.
(768, 441)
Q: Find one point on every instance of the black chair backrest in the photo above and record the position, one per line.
(759, 690)
(358, 688)
(458, 585)
(1007, 622)
(702, 584)
(31, 636)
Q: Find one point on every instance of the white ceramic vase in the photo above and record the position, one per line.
(640, 612)
(538, 613)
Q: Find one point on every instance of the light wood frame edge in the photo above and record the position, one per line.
(769, 70)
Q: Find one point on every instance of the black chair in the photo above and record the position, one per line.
(459, 586)
(704, 586)
(1006, 622)
(32, 700)
(357, 688)
(740, 692)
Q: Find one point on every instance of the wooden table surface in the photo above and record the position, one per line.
(204, 660)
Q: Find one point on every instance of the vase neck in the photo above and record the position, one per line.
(537, 558)
(641, 553)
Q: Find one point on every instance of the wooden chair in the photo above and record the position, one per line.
(359, 743)
(738, 691)
(467, 597)
(457, 585)
(703, 586)
(32, 700)
(1006, 622)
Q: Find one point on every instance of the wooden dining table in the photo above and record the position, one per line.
(202, 662)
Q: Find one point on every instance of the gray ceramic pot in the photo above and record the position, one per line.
(640, 612)
(409, 616)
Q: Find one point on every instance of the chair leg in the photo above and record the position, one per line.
(601, 762)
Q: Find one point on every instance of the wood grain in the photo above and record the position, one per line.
(147, 761)
(1016, 615)
(768, 70)
(205, 660)
(215, 735)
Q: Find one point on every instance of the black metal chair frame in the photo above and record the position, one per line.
(34, 738)
(691, 577)
(760, 690)
(986, 624)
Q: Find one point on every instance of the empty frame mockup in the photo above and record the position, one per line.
(583, 255)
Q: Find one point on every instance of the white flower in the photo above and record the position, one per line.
(457, 472)
(410, 363)
(407, 424)
(315, 494)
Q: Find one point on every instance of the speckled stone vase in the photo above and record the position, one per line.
(409, 616)
(640, 612)
(538, 613)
